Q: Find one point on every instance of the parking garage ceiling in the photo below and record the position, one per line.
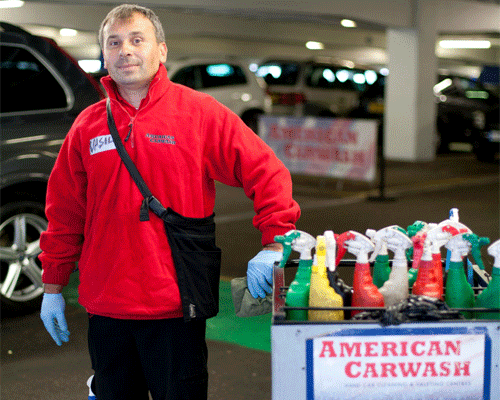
(272, 28)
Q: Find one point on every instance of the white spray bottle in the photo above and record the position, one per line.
(381, 265)
(396, 288)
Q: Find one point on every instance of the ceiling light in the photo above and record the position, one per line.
(311, 45)
(11, 4)
(465, 44)
(67, 32)
(348, 23)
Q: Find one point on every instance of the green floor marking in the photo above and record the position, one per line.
(251, 332)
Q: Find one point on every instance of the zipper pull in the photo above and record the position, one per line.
(129, 132)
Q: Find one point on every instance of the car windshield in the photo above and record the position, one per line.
(279, 73)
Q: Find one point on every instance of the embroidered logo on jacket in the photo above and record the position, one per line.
(168, 139)
(101, 143)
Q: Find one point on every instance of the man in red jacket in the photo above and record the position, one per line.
(181, 141)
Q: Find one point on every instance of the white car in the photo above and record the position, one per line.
(314, 88)
(228, 81)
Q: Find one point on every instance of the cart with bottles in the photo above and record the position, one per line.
(434, 355)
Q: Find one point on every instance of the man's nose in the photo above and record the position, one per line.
(126, 49)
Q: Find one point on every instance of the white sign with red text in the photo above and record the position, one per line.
(330, 147)
(402, 367)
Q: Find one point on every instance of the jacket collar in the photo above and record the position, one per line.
(158, 86)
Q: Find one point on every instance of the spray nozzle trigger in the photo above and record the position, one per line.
(476, 244)
(286, 240)
(331, 247)
(303, 244)
(494, 251)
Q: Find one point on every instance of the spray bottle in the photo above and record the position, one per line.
(412, 231)
(321, 293)
(344, 290)
(298, 291)
(396, 287)
(365, 293)
(430, 272)
(459, 293)
(476, 244)
(490, 297)
(381, 266)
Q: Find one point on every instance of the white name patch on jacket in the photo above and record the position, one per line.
(101, 143)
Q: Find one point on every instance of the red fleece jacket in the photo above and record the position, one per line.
(181, 141)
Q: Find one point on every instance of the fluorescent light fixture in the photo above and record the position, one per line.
(348, 23)
(312, 45)
(67, 32)
(465, 44)
(384, 71)
(370, 76)
(90, 66)
(329, 75)
(342, 75)
(11, 4)
(439, 87)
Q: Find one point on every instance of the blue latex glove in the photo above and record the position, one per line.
(260, 272)
(52, 314)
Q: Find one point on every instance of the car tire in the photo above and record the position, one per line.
(21, 287)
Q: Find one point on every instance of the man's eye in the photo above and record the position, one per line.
(137, 40)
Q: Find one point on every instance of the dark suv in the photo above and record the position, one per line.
(43, 90)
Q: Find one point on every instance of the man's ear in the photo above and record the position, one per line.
(163, 52)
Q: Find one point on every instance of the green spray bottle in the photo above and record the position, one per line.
(298, 291)
(395, 289)
(381, 265)
(490, 297)
(459, 293)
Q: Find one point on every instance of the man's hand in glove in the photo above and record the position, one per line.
(260, 272)
(52, 314)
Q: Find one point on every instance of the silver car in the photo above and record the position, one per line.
(230, 82)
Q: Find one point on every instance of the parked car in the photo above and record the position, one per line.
(462, 107)
(42, 92)
(314, 88)
(228, 81)
(467, 112)
(486, 143)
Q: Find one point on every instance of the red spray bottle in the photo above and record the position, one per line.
(365, 293)
(430, 272)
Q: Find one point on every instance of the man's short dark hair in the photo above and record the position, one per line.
(124, 12)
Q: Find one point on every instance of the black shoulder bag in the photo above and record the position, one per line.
(196, 258)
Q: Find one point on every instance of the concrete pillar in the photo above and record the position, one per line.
(410, 117)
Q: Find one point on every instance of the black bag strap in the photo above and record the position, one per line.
(149, 202)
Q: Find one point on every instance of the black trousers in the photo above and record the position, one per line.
(166, 357)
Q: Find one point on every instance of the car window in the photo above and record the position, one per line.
(329, 77)
(216, 75)
(27, 84)
(186, 76)
(279, 73)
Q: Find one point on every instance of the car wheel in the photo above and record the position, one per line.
(21, 285)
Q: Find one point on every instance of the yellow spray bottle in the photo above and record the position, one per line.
(321, 294)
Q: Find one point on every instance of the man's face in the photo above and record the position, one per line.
(131, 53)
